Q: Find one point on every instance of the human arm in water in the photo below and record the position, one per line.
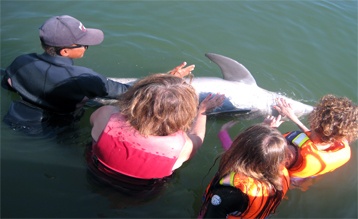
(286, 110)
(100, 118)
(224, 136)
(115, 88)
(198, 129)
(195, 137)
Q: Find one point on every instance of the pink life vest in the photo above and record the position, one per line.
(123, 149)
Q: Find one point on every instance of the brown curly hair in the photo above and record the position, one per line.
(160, 105)
(335, 118)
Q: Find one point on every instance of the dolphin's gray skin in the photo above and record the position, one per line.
(240, 89)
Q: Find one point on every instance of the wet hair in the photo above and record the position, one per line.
(335, 118)
(258, 152)
(51, 50)
(160, 105)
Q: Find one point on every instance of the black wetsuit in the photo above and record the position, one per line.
(225, 200)
(51, 85)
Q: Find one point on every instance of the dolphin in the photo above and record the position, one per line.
(242, 95)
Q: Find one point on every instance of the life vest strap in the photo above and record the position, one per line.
(228, 180)
(300, 139)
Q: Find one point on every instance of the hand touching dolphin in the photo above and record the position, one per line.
(242, 95)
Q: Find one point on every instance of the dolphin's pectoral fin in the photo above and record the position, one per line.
(231, 69)
(229, 112)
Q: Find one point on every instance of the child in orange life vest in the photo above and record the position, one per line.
(155, 128)
(325, 146)
(252, 179)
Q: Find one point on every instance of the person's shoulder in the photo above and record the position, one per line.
(104, 112)
(108, 109)
(23, 59)
(26, 56)
(82, 71)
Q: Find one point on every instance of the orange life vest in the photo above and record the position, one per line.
(257, 192)
(311, 160)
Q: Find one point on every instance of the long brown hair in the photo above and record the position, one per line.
(160, 104)
(258, 152)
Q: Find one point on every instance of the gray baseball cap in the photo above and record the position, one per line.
(66, 30)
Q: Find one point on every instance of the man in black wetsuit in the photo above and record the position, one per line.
(53, 90)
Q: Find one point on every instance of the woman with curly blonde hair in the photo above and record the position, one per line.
(325, 146)
(156, 127)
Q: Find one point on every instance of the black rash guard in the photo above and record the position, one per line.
(225, 200)
(53, 92)
(53, 83)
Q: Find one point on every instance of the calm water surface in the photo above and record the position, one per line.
(303, 49)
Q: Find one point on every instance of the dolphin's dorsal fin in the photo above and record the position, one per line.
(232, 70)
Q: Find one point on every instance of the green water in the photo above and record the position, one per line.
(303, 49)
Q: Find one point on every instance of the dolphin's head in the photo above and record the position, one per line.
(300, 109)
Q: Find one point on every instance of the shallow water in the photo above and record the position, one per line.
(303, 49)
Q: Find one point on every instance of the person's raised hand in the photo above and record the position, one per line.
(284, 108)
(181, 71)
(273, 121)
(210, 102)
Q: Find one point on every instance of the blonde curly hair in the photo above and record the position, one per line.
(335, 118)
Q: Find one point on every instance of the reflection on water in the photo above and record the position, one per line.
(303, 49)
